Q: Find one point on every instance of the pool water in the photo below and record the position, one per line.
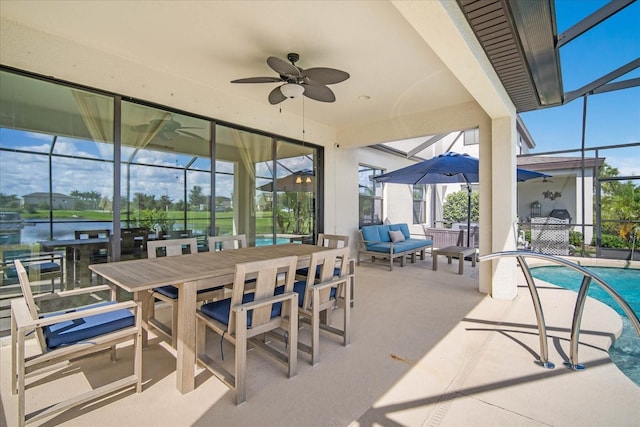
(625, 352)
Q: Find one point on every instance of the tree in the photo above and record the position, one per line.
(456, 204)
(620, 202)
(196, 198)
(9, 201)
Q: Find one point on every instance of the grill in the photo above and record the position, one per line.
(560, 214)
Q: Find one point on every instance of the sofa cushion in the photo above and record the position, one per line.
(396, 236)
(370, 234)
(383, 232)
(401, 227)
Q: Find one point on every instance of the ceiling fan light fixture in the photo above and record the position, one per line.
(292, 90)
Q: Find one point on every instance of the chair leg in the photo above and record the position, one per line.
(174, 324)
(21, 380)
(14, 358)
(241, 356)
(347, 313)
(315, 327)
(293, 338)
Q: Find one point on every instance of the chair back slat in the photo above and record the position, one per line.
(224, 243)
(23, 277)
(332, 240)
(172, 247)
(325, 263)
(92, 234)
(268, 275)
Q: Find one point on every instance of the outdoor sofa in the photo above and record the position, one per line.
(390, 242)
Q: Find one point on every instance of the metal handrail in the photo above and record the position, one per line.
(588, 277)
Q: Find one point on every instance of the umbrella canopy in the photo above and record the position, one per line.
(299, 182)
(448, 168)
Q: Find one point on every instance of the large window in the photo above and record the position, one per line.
(66, 172)
(370, 196)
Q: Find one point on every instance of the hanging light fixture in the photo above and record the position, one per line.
(308, 180)
(292, 90)
(298, 179)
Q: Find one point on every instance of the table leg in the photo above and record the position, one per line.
(185, 369)
(434, 257)
(460, 263)
(144, 300)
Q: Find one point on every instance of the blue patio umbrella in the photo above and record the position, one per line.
(448, 168)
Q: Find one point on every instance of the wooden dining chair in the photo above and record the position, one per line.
(320, 293)
(224, 243)
(249, 313)
(169, 293)
(68, 335)
(333, 241)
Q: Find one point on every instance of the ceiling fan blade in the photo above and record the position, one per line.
(319, 93)
(258, 80)
(276, 96)
(283, 67)
(191, 134)
(325, 76)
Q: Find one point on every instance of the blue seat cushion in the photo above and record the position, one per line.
(172, 292)
(220, 310)
(43, 267)
(300, 288)
(85, 328)
(304, 271)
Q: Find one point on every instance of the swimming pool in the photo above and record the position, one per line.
(625, 352)
(266, 241)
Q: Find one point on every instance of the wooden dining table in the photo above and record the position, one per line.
(189, 273)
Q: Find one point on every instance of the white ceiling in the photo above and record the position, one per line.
(214, 42)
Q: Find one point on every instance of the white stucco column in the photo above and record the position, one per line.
(503, 207)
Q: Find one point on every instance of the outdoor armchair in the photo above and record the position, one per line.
(320, 293)
(253, 309)
(65, 336)
(169, 293)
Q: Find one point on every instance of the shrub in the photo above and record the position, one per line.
(575, 238)
(610, 241)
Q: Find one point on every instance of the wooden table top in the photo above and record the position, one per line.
(206, 268)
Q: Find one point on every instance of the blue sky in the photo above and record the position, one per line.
(612, 118)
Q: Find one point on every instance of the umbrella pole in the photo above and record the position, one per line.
(468, 214)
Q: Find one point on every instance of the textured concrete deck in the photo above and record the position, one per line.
(427, 350)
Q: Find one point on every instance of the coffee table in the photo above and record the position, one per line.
(454, 252)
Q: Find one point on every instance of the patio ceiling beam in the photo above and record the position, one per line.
(596, 84)
(592, 20)
(428, 143)
(625, 84)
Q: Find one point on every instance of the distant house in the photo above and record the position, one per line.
(58, 200)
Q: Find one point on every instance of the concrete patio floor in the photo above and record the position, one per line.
(427, 350)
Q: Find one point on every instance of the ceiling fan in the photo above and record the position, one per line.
(168, 129)
(311, 82)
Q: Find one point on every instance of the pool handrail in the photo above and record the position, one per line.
(588, 277)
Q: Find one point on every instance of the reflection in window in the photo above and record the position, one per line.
(370, 196)
(165, 173)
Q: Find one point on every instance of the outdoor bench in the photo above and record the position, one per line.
(390, 242)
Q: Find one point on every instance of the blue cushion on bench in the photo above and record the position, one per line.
(383, 233)
(74, 331)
